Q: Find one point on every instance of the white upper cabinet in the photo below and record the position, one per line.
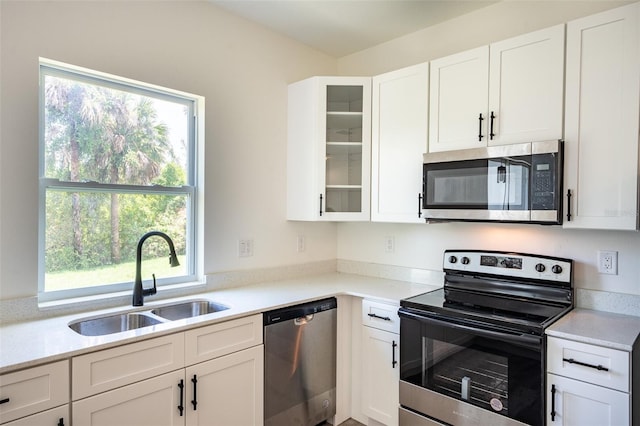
(399, 138)
(526, 87)
(601, 120)
(458, 97)
(329, 149)
(508, 92)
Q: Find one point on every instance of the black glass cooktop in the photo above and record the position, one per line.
(477, 309)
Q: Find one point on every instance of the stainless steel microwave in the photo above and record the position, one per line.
(508, 183)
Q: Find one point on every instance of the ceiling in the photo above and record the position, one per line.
(342, 27)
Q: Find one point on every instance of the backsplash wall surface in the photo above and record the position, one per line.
(422, 246)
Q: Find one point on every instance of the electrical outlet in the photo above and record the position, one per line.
(245, 247)
(301, 244)
(608, 262)
(389, 244)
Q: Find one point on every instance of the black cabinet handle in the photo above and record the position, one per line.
(194, 401)
(379, 317)
(320, 204)
(60, 422)
(419, 205)
(394, 345)
(584, 364)
(480, 136)
(568, 205)
(181, 406)
(4, 401)
(553, 402)
(491, 134)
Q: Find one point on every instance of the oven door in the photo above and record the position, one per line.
(474, 375)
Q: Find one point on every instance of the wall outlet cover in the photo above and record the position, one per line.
(608, 262)
(245, 247)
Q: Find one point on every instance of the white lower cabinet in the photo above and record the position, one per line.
(587, 384)
(58, 416)
(221, 392)
(226, 390)
(221, 382)
(151, 402)
(576, 403)
(26, 395)
(380, 362)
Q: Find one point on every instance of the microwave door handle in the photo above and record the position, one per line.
(522, 339)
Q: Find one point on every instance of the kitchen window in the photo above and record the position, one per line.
(117, 160)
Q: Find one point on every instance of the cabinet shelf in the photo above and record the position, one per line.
(344, 113)
(344, 186)
(338, 143)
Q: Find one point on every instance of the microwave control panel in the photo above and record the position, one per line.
(544, 181)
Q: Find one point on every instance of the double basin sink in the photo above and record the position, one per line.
(126, 321)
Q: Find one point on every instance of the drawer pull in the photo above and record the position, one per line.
(194, 401)
(491, 134)
(584, 364)
(394, 345)
(4, 401)
(553, 403)
(181, 406)
(60, 422)
(379, 317)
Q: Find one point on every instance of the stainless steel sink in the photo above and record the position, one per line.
(113, 323)
(189, 309)
(118, 323)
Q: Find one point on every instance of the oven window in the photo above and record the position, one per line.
(495, 375)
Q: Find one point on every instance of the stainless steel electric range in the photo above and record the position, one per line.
(473, 352)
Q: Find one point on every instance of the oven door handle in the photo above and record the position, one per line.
(525, 340)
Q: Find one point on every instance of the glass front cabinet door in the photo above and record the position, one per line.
(329, 149)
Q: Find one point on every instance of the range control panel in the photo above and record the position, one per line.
(507, 264)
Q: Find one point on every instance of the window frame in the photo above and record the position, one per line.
(193, 189)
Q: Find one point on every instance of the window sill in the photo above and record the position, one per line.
(115, 299)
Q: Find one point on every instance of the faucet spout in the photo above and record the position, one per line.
(138, 291)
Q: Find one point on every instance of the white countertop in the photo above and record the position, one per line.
(30, 343)
(598, 328)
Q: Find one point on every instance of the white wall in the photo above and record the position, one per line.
(421, 246)
(493, 23)
(240, 68)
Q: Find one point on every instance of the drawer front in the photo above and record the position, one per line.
(216, 340)
(410, 418)
(104, 370)
(383, 316)
(33, 390)
(580, 361)
(53, 417)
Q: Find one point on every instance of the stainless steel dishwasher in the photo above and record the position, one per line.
(300, 364)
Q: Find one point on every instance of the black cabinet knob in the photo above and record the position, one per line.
(556, 269)
(540, 267)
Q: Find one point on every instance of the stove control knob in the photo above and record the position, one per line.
(540, 267)
(453, 259)
(465, 260)
(556, 269)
